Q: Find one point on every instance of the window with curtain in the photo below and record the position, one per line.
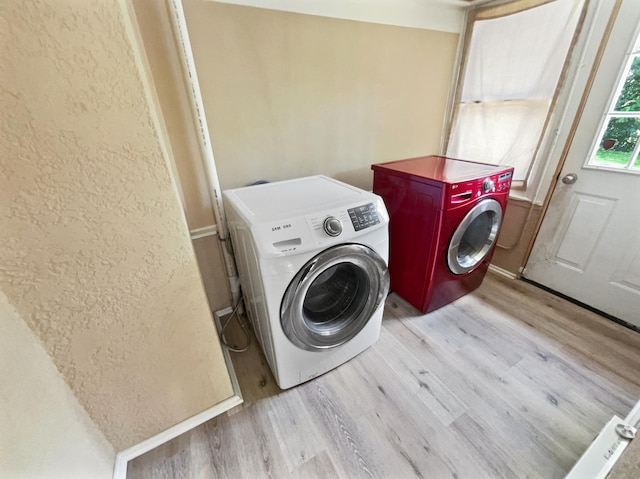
(513, 63)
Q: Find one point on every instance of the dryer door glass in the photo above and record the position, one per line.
(474, 237)
(333, 296)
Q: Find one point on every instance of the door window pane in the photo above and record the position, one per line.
(617, 146)
(618, 142)
(629, 99)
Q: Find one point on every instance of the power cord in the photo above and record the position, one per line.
(242, 326)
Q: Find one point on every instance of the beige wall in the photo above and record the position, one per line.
(290, 95)
(164, 63)
(45, 431)
(94, 248)
(518, 228)
(212, 270)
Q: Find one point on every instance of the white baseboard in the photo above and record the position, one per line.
(203, 232)
(502, 272)
(601, 455)
(123, 457)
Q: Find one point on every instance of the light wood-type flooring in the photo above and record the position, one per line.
(507, 382)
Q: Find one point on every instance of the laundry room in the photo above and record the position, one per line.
(306, 238)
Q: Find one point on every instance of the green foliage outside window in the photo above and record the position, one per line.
(622, 132)
(623, 129)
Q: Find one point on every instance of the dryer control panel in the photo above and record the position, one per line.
(504, 181)
(471, 190)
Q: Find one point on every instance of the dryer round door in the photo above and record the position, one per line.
(333, 296)
(474, 237)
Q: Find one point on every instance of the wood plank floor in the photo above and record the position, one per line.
(507, 382)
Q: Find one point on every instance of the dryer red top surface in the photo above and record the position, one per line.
(438, 168)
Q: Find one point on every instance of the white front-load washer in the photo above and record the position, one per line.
(312, 259)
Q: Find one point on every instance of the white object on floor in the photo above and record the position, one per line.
(600, 457)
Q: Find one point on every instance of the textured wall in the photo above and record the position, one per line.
(45, 431)
(290, 95)
(94, 252)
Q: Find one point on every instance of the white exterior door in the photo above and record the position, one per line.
(588, 247)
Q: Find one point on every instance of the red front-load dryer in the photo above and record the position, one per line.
(444, 219)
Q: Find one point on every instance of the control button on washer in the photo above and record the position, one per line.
(332, 226)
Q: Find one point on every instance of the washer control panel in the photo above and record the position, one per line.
(342, 224)
(363, 216)
(299, 234)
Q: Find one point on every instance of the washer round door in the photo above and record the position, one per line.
(333, 296)
(474, 237)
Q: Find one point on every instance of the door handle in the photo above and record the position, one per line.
(569, 178)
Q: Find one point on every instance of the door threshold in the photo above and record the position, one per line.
(621, 322)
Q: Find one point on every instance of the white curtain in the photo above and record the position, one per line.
(513, 65)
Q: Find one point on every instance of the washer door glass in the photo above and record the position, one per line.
(333, 296)
(474, 237)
